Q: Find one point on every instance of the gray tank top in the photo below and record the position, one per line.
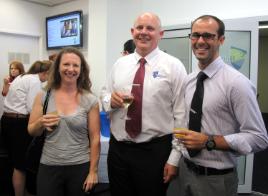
(68, 144)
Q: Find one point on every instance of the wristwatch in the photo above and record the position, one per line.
(210, 144)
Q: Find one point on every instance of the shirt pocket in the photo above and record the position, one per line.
(158, 85)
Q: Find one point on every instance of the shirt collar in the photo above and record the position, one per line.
(149, 58)
(213, 67)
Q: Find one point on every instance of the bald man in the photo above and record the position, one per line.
(140, 164)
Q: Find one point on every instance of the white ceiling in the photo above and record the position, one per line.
(49, 3)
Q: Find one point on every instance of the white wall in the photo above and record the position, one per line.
(22, 17)
(97, 42)
(121, 16)
(174, 12)
(109, 27)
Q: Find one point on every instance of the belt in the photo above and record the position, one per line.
(200, 170)
(15, 115)
(154, 140)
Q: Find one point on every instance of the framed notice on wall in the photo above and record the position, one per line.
(236, 50)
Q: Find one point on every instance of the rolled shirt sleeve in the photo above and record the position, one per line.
(252, 134)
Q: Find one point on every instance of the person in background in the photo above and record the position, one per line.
(129, 47)
(15, 68)
(137, 156)
(230, 120)
(71, 152)
(30, 176)
(52, 57)
(17, 106)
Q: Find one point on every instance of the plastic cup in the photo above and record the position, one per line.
(54, 112)
(179, 135)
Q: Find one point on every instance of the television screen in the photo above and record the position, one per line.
(64, 30)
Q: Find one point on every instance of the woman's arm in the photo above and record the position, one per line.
(6, 86)
(94, 135)
(38, 122)
(35, 126)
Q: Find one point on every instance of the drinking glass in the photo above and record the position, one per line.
(179, 125)
(128, 98)
(53, 127)
(127, 101)
(178, 135)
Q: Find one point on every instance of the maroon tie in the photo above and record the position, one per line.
(133, 126)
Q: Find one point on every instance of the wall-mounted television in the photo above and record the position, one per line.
(65, 30)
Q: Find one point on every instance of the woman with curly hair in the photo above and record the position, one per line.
(69, 161)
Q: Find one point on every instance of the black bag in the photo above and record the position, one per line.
(35, 148)
(34, 152)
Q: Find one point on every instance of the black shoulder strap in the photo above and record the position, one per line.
(46, 101)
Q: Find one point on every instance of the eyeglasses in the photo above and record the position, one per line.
(205, 36)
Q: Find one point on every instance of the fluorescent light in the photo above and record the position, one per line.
(263, 27)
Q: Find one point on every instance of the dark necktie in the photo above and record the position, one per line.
(196, 108)
(133, 126)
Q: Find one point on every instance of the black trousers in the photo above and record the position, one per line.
(16, 139)
(62, 180)
(136, 169)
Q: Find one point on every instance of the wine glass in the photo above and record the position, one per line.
(128, 98)
(127, 101)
